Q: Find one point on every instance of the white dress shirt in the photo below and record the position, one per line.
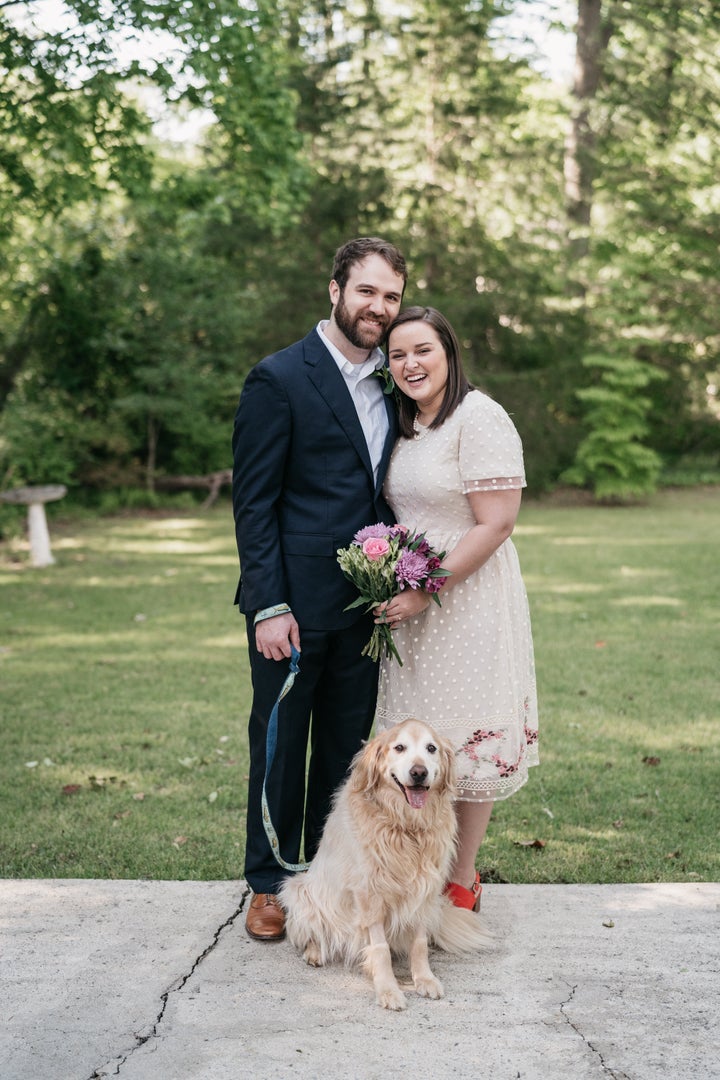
(366, 392)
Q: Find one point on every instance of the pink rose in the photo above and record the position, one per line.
(375, 547)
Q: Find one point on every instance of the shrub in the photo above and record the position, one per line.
(611, 459)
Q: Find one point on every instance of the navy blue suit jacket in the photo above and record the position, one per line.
(302, 485)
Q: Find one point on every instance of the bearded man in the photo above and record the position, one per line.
(312, 440)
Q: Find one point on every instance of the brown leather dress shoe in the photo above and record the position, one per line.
(265, 920)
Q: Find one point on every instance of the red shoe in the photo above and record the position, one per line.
(462, 897)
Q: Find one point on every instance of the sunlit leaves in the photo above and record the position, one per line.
(612, 458)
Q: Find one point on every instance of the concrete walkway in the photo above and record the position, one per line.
(150, 980)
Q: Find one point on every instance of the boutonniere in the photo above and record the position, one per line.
(389, 386)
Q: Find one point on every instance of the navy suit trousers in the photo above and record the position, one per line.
(331, 707)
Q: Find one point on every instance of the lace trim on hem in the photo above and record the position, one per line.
(491, 791)
(504, 483)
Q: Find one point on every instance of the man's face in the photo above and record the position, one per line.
(364, 309)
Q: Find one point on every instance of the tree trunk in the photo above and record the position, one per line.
(580, 143)
(152, 438)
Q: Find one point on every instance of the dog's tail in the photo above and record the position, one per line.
(460, 931)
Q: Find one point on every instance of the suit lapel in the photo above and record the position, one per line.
(390, 439)
(325, 376)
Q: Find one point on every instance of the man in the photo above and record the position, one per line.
(312, 440)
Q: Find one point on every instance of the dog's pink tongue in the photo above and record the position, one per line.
(417, 797)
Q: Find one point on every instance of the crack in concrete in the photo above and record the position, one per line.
(605, 1067)
(174, 988)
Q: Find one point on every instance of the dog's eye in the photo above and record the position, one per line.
(431, 748)
(399, 748)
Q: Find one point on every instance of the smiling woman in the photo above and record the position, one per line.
(424, 354)
(418, 364)
(469, 670)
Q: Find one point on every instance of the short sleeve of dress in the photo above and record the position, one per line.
(491, 456)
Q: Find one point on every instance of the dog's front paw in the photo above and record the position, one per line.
(392, 998)
(430, 987)
(312, 954)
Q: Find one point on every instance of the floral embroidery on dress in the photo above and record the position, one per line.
(505, 768)
(470, 746)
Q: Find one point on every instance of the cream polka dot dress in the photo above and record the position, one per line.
(468, 665)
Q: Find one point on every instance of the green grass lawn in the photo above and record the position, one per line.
(124, 693)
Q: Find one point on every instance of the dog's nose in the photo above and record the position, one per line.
(418, 774)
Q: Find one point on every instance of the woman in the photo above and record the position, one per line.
(456, 473)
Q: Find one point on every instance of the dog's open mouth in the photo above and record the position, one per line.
(416, 796)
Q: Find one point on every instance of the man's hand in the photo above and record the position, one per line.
(274, 637)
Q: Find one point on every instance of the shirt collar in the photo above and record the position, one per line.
(374, 362)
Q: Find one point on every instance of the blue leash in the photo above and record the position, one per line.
(270, 754)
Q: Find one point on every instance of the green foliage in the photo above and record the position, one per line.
(182, 318)
(59, 424)
(41, 441)
(653, 267)
(542, 404)
(71, 124)
(692, 471)
(128, 359)
(67, 130)
(140, 280)
(612, 458)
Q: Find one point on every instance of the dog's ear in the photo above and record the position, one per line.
(367, 765)
(448, 770)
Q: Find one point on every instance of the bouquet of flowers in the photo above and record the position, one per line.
(381, 561)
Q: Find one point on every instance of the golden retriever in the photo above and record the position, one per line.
(374, 888)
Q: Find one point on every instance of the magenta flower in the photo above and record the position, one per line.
(411, 569)
(371, 531)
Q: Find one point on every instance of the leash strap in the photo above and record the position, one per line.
(270, 747)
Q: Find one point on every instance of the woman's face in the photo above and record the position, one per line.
(418, 364)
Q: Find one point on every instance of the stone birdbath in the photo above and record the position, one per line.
(35, 498)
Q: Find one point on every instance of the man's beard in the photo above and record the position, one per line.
(360, 337)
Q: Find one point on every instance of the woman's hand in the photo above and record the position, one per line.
(406, 605)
